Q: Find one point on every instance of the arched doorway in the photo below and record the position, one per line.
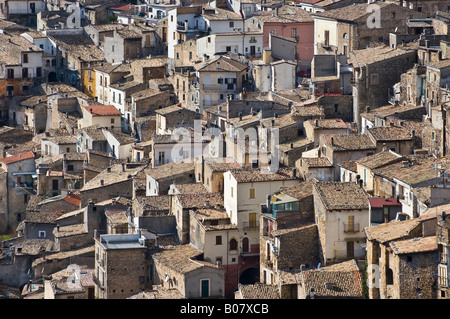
(52, 77)
(249, 276)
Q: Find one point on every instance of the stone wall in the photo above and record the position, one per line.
(340, 106)
(299, 247)
(127, 272)
(417, 275)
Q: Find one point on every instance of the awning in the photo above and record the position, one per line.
(26, 173)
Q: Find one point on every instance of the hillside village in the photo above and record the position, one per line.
(226, 149)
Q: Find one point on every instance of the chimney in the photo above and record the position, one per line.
(316, 123)
(240, 116)
(108, 169)
(123, 167)
(102, 182)
(207, 204)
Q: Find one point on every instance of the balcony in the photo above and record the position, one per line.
(219, 87)
(351, 228)
(250, 226)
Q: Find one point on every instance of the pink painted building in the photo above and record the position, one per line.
(288, 22)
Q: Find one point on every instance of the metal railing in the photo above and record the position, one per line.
(220, 87)
(351, 228)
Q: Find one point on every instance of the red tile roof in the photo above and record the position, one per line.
(101, 110)
(18, 157)
(380, 202)
(73, 199)
(122, 6)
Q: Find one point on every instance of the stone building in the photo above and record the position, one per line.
(371, 82)
(341, 214)
(288, 236)
(18, 185)
(183, 268)
(443, 249)
(404, 259)
(212, 232)
(121, 266)
(354, 27)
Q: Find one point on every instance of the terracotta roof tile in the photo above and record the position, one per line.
(17, 158)
(341, 280)
(102, 110)
(342, 195)
(392, 230)
(414, 245)
(258, 291)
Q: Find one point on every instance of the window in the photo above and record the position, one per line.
(252, 193)
(245, 245)
(25, 73)
(209, 39)
(294, 32)
(112, 121)
(42, 234)
(233, 244)
(25, 58)
(351, 223)
(218, 240)
(10, 73)
(327, 38)
(228, 49)
(70, 167)
(231, 24)
(374, 79)
(10, 90)
(252, 220)
(232, 192)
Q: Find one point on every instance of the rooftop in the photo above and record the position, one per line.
(360, 58)
(169, 170)
(379, 159)
(414, 245)
(348, 142)
(390, 133)
(102, 110)
(181, 258)
(391, 231)
(122, 241)
(342, 280)
(342, 195)
(258, 291)
(328, 124)
(114, 176)
(222, 63)
(200, 200)
(17, 158)
(258, 175)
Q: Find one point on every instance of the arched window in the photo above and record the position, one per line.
(245, 245)
(233, 244)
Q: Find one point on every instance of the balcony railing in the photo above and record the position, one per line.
(250, 225)
(351, 228)
(220, 87)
